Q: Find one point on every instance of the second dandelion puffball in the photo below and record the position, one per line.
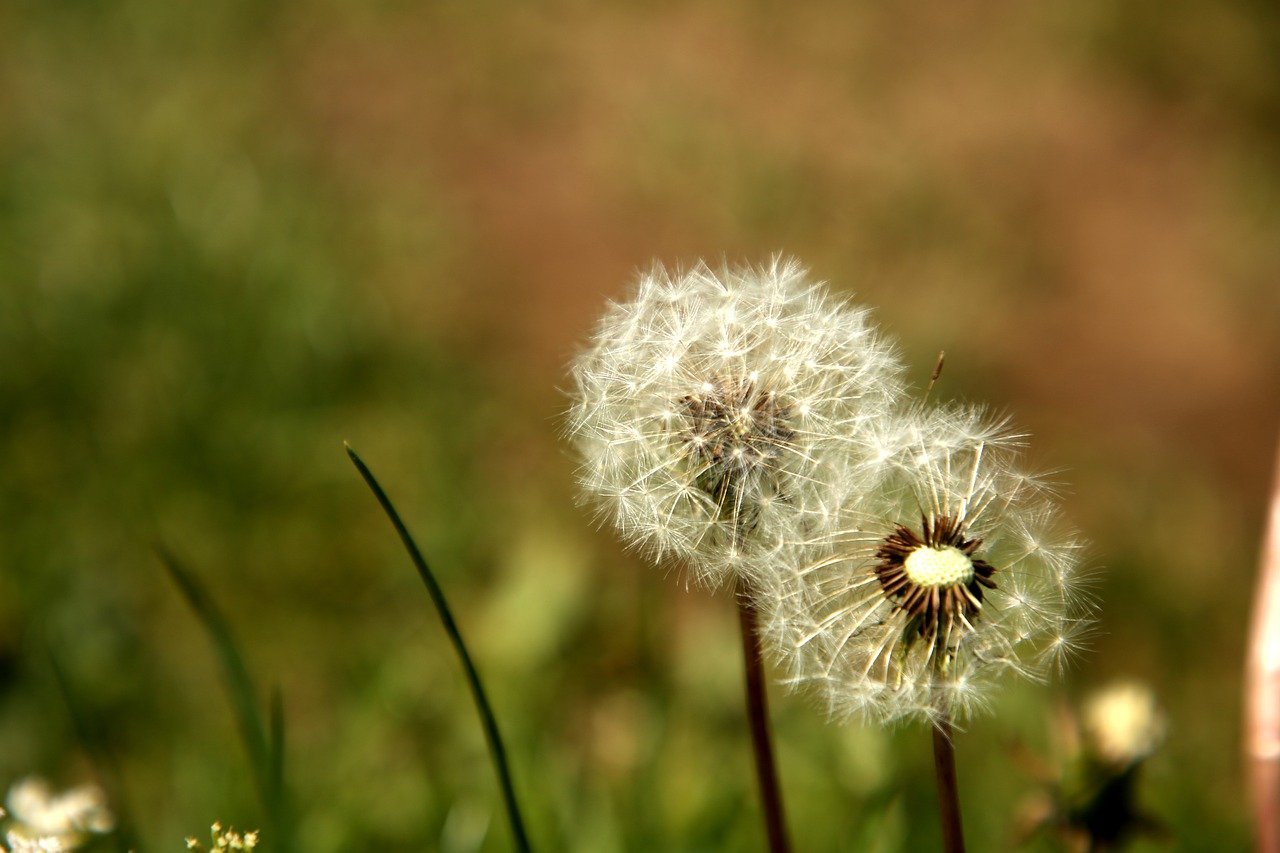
(952, 572)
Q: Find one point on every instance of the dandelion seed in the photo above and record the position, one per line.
(721, 414)
(952, 573)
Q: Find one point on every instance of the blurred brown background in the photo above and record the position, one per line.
(235, 234)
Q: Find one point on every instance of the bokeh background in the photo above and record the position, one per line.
(235, 234)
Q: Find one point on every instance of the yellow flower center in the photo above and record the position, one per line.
(938, 567)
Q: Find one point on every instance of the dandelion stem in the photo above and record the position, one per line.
(944, 765)
(758, 717)
(487, 719)
(1262, 687)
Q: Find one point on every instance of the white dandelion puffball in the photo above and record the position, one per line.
(720, 414)
(952, 574)
(1123, 724)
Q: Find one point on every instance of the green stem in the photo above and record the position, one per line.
(487, 719)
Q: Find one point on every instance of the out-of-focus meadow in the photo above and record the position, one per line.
(233, 235)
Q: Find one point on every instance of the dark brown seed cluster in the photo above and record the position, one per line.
(734, 431)
(933, 611)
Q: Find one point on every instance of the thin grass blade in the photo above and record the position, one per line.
(279, 806)
(487, 719)
(265, 750)
(101, 755)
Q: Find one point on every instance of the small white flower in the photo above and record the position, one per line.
(20, 843)
(228, 838)
(721, 414)
(43, 820)
(949, 575)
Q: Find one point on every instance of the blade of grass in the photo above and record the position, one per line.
(279, 807)
(275, 750)
(265, 750)
(487, 719)
(100, 754)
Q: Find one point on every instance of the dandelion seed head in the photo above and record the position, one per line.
(715, 412)
(950, 574)
(1123, 723)
(938, 567)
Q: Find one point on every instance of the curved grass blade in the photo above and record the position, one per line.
(275, 757)
(93, 742)
(487, 720)
(265, 748)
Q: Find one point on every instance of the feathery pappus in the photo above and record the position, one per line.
(952, 573)
(720, 413)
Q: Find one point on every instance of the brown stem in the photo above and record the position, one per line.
(758, 716)
(1262, 687)
(944, 765)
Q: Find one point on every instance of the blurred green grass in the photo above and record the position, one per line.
(234, 235)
